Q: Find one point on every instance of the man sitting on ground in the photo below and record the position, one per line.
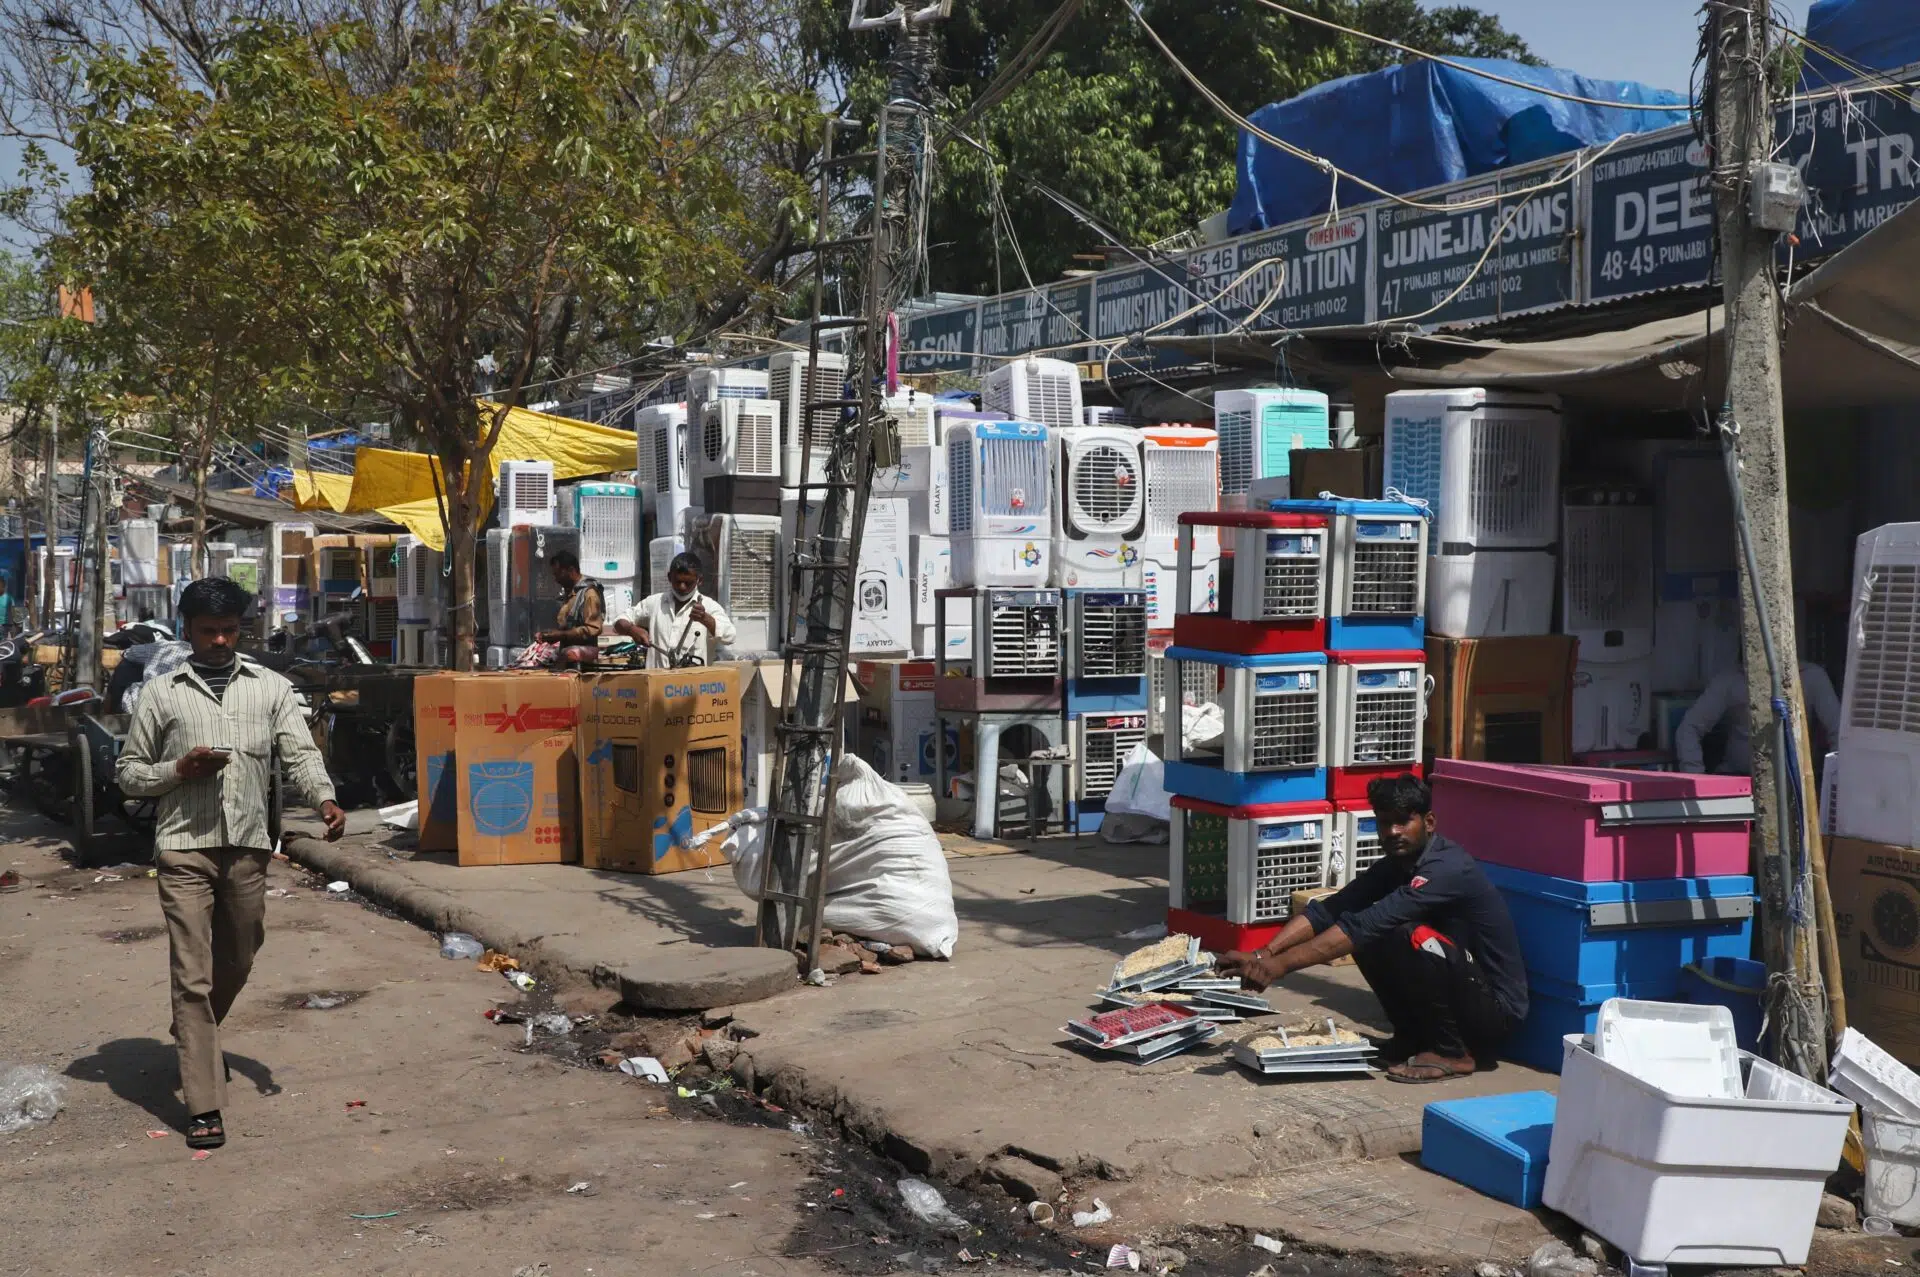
(1429, 934)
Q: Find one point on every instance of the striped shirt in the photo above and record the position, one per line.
(228, 809)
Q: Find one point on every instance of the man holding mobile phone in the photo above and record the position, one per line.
(202, 743)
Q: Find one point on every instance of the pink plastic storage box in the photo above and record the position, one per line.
(1595, 824)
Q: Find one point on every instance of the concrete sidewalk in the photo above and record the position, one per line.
(960, 1068)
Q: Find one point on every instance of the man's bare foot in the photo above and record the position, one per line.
(1428, 1066)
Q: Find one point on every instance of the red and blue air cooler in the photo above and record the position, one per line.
(1377, 704)
(1233, 870)
(1377, 572)
(1273, 743)
(1273, 583)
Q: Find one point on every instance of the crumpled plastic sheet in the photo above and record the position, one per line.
(29, 1094)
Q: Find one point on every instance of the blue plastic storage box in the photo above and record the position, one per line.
(1558, 1009)
(1494, 1143)
(1609, 933)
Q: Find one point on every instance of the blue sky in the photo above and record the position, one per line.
(1652, 41)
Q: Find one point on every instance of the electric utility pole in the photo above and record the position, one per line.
(1796, 918)
(92, 557)
(50, 512)
(832, 513)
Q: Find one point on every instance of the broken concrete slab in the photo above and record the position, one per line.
(694, 978)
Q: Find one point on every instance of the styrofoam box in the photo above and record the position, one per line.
(1491, 594)
(1864, 1072)
(1675, 1180)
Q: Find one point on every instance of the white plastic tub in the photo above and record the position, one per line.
(1676, 1180)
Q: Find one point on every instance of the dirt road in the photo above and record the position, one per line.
(459, 1162)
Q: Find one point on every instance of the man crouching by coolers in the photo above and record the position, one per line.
(1429, 933)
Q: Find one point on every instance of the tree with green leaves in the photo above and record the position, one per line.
(389, 217)
(1104, 121)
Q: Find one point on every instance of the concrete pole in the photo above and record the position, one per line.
(93, 566)
(50, 510)
(1755, 433)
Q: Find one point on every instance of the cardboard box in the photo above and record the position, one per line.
(1876, 911)
(882, 623)
(897, 721)
(1345, 472)
(433, 744)
(519, 794)
(659, 762)
(1502, 700)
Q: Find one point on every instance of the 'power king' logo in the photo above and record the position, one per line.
(530, 718)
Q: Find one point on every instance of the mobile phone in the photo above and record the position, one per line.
(222, 751)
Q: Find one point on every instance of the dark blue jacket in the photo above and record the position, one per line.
(1444, 889)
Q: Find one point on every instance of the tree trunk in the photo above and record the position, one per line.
(462, 627)
(202, 458)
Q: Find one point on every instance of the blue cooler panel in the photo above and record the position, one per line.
(1357, 634)
(1105, 695)
(1213, 783)
(1609, 933)
(1494, 1143)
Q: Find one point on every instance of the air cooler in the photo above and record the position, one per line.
(140, 551)
(1357, 843)
(1273, 581)
(1273, 743)
(605, 514)
(1612, 705)
(1107, 656)
(1487, 464)
(383, 565)
(289, 547)
(744, 567)
(1697, 611)
(1234, 869)
(497, 548)
(793, 382)
(1259, 430)
(1101, 743)
(665, 469)
(1378, 706)
(704, 385)
(1017, 652)
(1098, 507)
(1001, 518)
(1607, 585)
(1045, 391)
(422, 597)
(1001, 740)
(1182, 465)
(525, 494)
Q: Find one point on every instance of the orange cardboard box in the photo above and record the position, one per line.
(433, 738)
(519, 783)
(660, 761)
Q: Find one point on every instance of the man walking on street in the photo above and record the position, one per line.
(202, 743)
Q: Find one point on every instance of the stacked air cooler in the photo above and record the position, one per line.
(607, 517)
(1259, 429)
(1104, 694)
(666, 485)
(1486, 464)
(1099, 506)
(421, 603)
(1182, 465)
(1307, 684)
(1607, 603)
(1877, 758)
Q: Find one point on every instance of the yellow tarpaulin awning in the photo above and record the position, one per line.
(407, 487)
(321, 490)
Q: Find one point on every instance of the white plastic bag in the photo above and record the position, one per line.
(1140, 789)
(1203, 729)
(29, 1094)
(886, 874)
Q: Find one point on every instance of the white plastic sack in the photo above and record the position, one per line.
(1203, 729)
(886, 874)
(1140, 789)
(403, 816)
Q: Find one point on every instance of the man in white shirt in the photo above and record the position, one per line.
(679, 625)
(1725, 701)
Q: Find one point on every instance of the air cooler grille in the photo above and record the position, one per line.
(1179, 480)
(1291, 586)
(1049, 398)
(1281, 870)
(1366, 850)
(1106, 483)
(1607, 552)
(707, 779)
(1886, 664)
(1513, 481)
(1385, 579)
(532, 490)
(1103, 750)
(1113, 640)
(1025, 642)
(1236, 450)
(1386, 726)
(663, 460)
(960, 475)
(1013, 476)
(1286, 730)
(750, 572)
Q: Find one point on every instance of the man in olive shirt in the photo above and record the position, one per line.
(202, 743)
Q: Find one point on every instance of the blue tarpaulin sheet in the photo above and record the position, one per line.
(1422, 124)
(1879, 35)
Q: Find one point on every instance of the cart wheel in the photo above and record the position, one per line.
(402, 762)
(82, 761)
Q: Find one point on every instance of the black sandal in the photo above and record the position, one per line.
(206, 1131)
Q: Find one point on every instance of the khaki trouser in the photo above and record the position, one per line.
(215, 902)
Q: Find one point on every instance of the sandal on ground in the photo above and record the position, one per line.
(206, 1131)
(1427, 1067)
